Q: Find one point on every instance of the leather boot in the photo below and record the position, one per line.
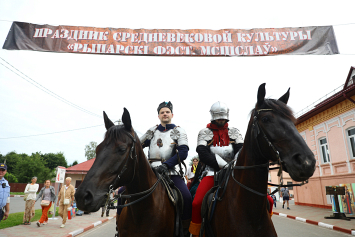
(195, 229)
(185, 226)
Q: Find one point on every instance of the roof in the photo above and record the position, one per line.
(81, 168)
(338, 95)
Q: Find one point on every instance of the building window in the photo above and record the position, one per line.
(324, 150)
(351, 135)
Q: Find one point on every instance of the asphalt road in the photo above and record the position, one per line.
(285, 227)
(17, 204)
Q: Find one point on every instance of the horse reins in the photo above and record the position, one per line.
(134, 158)
(126, 163)
(257, 129)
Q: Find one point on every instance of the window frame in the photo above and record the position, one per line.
(321, 150)
(351, 153)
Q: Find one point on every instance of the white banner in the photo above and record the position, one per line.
(60, 175)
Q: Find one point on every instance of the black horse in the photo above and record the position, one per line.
(271, 135)
(120, 161)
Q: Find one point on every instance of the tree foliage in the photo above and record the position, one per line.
(29, 167)
(90, 150)
(11, 178)
(54, 160)
(75, 163)
(22, 167)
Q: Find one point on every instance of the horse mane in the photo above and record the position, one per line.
(115, 133)
(278, 107)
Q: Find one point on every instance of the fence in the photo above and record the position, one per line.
(18, 187)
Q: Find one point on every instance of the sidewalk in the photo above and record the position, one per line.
(77, 225)
(83, 223)
(314, 215)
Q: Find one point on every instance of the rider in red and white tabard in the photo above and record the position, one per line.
(216, 146)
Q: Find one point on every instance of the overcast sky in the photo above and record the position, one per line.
(109, 82)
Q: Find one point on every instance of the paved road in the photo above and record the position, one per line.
(285, 227)
(17, 204)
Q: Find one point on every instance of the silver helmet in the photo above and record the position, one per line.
(219, 110)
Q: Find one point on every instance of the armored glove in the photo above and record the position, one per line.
(162, 169)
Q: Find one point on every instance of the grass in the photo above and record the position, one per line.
(17, 193)
(17, 219)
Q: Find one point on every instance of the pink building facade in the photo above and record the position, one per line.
(328, 128)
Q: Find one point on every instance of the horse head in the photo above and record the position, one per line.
(275, 131)
(114, 164)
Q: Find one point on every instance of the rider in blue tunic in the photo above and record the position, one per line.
(167, 145)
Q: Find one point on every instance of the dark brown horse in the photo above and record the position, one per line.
(243, 212)
(120, 161)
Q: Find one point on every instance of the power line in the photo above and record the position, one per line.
(3, 138)
(44, 89)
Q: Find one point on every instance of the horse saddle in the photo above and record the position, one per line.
(208, 203)
(176, 198)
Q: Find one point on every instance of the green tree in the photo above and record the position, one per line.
(34, 165)
(75, 163)
(11, 178)
(53, 160)
(90, 150)
(11, 160)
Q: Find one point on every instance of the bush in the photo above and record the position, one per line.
(11, 178)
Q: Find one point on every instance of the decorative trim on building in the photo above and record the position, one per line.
(330, 113)
(343, 116)
(319, 128)
(327, 123)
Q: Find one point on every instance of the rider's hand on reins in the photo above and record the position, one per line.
(162, 169)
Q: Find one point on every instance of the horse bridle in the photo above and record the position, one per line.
(125, 166)
(119, 176)
(256, 130)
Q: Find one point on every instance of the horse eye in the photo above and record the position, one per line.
(265, 119)
(121, 149)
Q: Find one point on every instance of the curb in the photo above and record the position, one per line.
(332, 227)
(81, 230)
(17, 195)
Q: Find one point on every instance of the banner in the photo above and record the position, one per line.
(60, 175)
(161, 42)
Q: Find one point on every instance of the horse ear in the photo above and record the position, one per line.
(261, 94)
(285, 97)
(108, 122)
(126, 119)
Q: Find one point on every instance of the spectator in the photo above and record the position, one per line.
(47, 195)
(274, 198)
(65, 200)
(4, 193)
(31, 189)
(190, 174)
(285, 197)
